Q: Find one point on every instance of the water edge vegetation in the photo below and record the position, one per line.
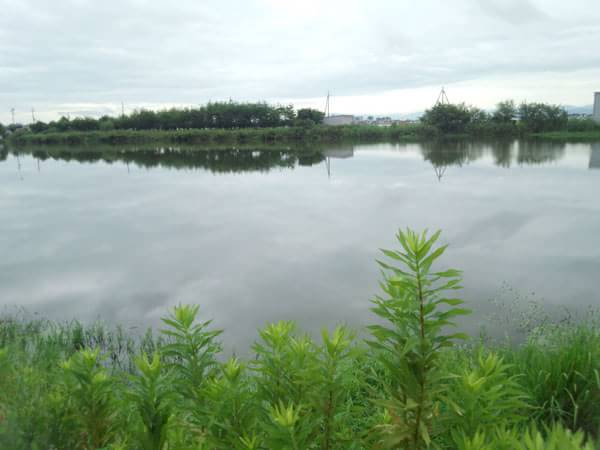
(412, 384)
(234, 122)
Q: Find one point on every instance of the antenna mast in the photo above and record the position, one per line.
(442, 98)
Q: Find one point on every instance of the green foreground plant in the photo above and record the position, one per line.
(412, 385)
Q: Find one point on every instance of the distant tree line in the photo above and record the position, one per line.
(221, 115)
(6, 129)
(507, 118)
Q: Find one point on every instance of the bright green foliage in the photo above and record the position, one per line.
(296, 374)
(152, 395)
(92, 392)
(409, 345)
(554, 438)
(283, 362)
(333, 374)
(233, 408)
(4, 371)
(286, 431)
(190, 353)
(483, 395)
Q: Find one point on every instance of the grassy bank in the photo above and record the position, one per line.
(313, 134)
(281, 136)
(410, 385)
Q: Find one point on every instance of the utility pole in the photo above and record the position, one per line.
(327, 105)
(32, 115)
(12, 111)
(122, 109)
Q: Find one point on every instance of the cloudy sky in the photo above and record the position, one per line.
(85, 57)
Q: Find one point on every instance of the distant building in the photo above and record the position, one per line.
(596, 113)
(383, 121)
(341, 119)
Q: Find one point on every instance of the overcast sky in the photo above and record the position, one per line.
(85, 57)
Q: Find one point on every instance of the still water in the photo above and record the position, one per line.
(260, 235)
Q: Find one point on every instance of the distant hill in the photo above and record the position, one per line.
(587, 109)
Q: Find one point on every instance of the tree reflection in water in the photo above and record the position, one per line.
(440, 153)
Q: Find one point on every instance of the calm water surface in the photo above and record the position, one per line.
(260, 235)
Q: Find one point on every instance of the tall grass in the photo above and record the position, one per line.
(315, 134)
(414, 384)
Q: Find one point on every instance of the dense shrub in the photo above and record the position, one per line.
(448, 118)
(582, 125)
(539, 117)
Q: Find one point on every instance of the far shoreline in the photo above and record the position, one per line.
(318, 134)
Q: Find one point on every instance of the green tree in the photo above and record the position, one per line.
(38, 127)
(63, 124)
(448, 118)
(84, 124)
(106, 124)
(409, 344)
(505, 112)
(539, 117)
(310, 114)
(151, 394)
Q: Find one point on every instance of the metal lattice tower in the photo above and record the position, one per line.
(442, 98)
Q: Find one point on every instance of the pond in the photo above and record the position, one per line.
(258, 235)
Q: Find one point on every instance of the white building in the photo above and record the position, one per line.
(341, 119)
(596, 113)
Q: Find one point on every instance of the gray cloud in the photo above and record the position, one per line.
(101, 53)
